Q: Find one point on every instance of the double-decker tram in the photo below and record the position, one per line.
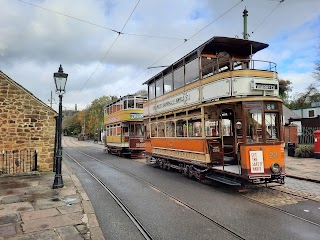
(216, 114)
(123, 120)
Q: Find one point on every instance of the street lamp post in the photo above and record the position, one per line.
(60, 80)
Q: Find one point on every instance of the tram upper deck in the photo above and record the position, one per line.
(219, 69)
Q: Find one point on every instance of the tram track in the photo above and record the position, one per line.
(185, 204)
(180, 202)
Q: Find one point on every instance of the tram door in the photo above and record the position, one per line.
(228, 136)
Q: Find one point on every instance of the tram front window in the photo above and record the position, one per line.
(139, 130)
(254, 126)
(271, 126)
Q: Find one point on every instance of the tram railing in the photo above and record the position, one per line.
(18, 161)
(217, 66)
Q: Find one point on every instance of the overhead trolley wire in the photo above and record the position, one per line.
(184, 41)
(281, 1)
(119, 33)
(98, 25)
(68, 16)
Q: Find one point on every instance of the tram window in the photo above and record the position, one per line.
(153, 129)
(170, 129)
(132, 129)
(125, 104)
(226, 127)
(125, 131)
(254, 125)
(130, 103)
(139, 102)
(139, 130)
(152, 92)
(147, 130)
(107, 131)
(181, 128)
(194, 128)
(118, 130)
(271, 120)
(178, 77)
(192, 71)
(212, 128)
(161, 129)
(168, 83)
(159, 87)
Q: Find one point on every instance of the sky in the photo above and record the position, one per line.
(108, 46)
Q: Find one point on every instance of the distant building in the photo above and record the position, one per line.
(292, 125)
(308, 112)
(26, 122)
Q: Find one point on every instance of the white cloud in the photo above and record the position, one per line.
(34, 41)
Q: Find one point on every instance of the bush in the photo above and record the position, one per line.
(304, 151)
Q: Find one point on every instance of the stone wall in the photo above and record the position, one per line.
(26, 122)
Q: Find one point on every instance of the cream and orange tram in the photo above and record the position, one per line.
(216, 114)
(123, 120)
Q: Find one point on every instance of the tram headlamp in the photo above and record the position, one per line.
(275, 168)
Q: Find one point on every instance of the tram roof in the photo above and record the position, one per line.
(125, 97)
(235, 46)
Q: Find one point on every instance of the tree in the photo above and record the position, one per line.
(284, 89)
(94, 114)
(303, 100)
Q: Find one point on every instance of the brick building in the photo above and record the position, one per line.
(26, 122)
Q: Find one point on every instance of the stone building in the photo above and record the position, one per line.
(26, 122)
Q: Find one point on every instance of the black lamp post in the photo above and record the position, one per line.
(60, 80)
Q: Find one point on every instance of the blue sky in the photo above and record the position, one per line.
(36, 36)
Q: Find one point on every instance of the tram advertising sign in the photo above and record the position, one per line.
(256, 161)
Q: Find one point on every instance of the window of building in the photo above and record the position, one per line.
(311, 113)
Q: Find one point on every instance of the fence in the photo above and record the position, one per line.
(306, 136)
(18, 161)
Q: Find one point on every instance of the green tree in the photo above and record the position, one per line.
(303, 100)
(94, 114)
(284, 89)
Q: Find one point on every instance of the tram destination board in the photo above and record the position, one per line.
(265, 86)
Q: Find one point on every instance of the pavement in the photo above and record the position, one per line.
(30, 209)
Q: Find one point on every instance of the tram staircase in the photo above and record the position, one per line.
(216, 153)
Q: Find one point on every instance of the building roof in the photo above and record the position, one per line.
(3, 76)
(288, 114)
